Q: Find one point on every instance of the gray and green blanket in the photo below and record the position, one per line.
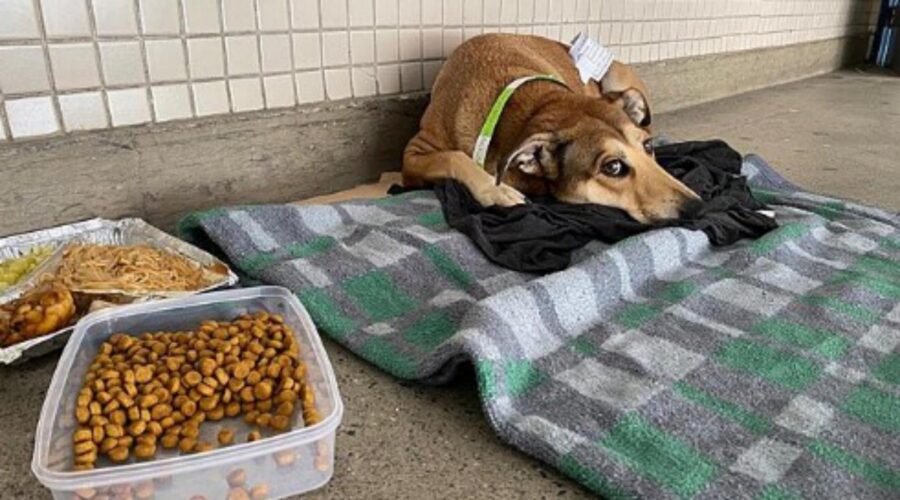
(657, 367)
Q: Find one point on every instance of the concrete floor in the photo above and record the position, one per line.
(835, 134)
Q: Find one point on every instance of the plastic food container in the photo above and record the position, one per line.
(288, 463)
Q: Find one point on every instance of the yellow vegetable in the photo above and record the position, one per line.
(13, 270)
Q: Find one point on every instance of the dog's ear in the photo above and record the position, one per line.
(537, 155)
(634, 103)
(621, 85)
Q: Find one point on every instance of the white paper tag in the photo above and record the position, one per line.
(592, 59)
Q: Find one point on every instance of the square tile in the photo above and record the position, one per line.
(362, 47)
(472, 12)
(430, 71)
(767, 460)
(239, 15)
(201, 16)
(361, 13)
(243, 55)
(205, 58)
(410, 45)
(387, 45)
(273, 15)
(276, 52)
(279, 91)
(122, 63)
(307, 53)
(18, 20)
(806, 416)
(386, 13)
(409, 12)
(65, 18)
(526, 11)
(452, 39)
(210, 98)
(31, 117)
(305, 14)
(492, 11)
(74, 66)
(22, 69)
(83, 111)
(432, 40)
(452, 12)
(115, 17)
(334, 14)
(165, 60)
(172, 102)
(160, 17)
(337, 84)
(310, 87)
(246, 94)
(411, 77)
(432, 13)
(128, 106)
(388, 79)
(364, 83)
(335, 48)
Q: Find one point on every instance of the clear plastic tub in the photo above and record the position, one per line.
(288, 463)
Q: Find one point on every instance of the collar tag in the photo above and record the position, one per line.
(592, 59)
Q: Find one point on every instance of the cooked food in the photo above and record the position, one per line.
(13, 270)
(132, 268)
(43, 310)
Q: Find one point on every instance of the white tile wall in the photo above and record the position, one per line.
(69, 65)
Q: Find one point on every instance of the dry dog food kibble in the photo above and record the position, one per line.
(142, 393)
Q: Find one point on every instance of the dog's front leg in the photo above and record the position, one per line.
(421, 169)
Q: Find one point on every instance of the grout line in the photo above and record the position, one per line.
(375, 46)
(289, 6)
(182, 27)
(92, 24)
(4, 120)
(322, 54)
(126, 86)
(192, 36)
(145, 62)
(349, 49)
(54, 99)
(226, 76)
(259, 56)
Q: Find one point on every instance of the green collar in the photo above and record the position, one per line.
(479, 154)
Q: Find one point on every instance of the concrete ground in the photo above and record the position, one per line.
(835, 134)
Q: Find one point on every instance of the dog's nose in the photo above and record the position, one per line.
(690, 208)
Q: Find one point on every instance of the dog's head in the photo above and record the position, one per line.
(589, 150)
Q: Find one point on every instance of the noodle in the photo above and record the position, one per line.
(138, 268)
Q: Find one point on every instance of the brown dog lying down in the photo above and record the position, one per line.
(582, 144)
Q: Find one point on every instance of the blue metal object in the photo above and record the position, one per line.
(886, 35)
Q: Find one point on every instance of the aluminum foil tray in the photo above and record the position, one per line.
(97, 231)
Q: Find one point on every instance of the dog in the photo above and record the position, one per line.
(581, 143)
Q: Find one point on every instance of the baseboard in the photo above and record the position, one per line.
(160, 172)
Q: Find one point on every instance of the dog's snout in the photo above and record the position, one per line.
(690, 208)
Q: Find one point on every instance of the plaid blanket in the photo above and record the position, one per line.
(657, 367)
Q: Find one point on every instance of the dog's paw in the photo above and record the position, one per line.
(502, 195)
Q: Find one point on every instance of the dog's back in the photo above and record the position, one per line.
(478, 70)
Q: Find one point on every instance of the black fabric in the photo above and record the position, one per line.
(539, 237)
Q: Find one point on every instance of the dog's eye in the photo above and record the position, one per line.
(648, 146)
(614, 168)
